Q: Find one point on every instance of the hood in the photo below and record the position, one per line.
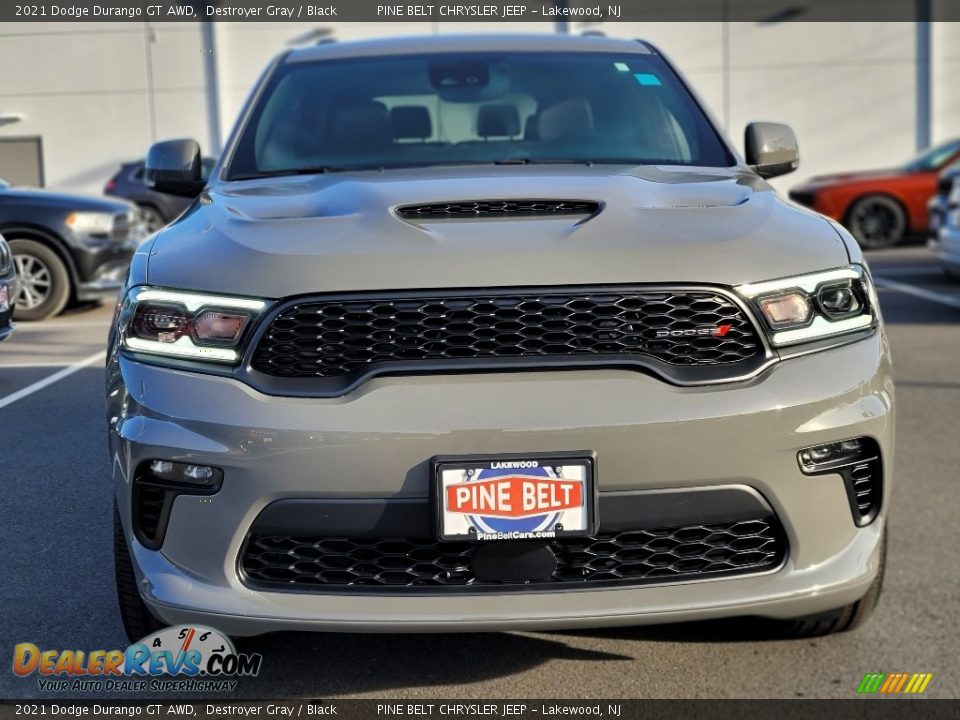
(340, 232)
(45, 198)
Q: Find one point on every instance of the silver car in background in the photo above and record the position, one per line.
(492, 333)
(946, 246)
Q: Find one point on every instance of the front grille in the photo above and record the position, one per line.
(351, 337)
(499, 208)
(123, 224)
(625, 558)
(803, 198)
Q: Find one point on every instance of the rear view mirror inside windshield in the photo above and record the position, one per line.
(467, 80)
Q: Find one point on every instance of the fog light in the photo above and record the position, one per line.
(200, 473)
(819, 454)
(188, 474)
(161, 467)
(831, 455)
(156, 485)
(858, 462)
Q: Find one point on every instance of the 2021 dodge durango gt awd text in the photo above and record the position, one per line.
(489, 333)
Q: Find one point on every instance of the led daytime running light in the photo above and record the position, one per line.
(194, 301)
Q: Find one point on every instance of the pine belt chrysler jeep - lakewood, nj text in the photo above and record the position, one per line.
(486, 333)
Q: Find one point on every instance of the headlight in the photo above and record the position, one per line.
(187, 325)
(90, 223)
(812, 307)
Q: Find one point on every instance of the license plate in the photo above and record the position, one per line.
(514, 498)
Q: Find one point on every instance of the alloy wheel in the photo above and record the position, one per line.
(35, 281)
(877, 222)
(152, 220)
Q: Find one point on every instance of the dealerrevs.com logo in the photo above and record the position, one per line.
(187, 658)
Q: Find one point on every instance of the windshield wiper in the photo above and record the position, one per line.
(541, 161)
(314, 170)
(309, 170)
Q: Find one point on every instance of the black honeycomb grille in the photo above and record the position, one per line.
(499, 208)
(627, 557)
(123, 225)
(332, 338)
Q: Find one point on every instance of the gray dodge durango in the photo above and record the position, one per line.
(491, 333)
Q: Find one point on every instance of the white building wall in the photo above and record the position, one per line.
(100, 93)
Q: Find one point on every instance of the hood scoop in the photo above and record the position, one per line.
(497, 209)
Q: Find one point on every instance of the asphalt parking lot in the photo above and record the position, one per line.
(58, 590)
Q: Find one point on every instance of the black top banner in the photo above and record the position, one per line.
(523, 709)
(583, 12)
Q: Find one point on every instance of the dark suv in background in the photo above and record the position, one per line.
(65, 247)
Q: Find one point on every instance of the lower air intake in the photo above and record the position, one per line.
(629, 557)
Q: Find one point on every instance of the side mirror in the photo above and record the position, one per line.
(173, 167)
(771, 149)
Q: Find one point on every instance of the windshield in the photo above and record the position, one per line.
(474, 108)
(934, 158)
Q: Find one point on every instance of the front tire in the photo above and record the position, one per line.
(848, 617)
(877, 221)
(138, 621)
(44, 280)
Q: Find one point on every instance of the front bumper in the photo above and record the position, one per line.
(106, 281)
(376, 443)
(947, 247)
(8, 284)
(101, 266)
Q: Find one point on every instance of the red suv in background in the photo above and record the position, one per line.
(880, 207)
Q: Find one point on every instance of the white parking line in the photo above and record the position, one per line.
(30, 365)
(51, 379)
(950, 300)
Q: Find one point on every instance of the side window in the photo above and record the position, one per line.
(206, 167)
